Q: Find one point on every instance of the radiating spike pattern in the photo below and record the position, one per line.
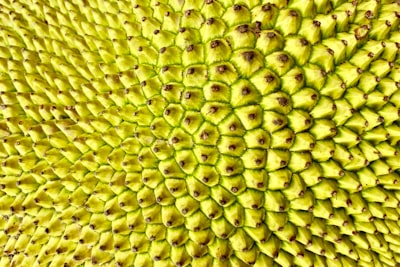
(199, 133)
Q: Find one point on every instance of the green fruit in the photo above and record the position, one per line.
(199, 133)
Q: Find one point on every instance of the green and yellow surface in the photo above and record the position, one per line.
(199, 133)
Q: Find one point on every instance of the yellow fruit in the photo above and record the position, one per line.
(199, 133)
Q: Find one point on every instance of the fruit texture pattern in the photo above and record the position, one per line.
(199, 133)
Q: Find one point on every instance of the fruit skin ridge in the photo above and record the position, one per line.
(199, 133)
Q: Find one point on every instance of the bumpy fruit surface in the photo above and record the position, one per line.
(199, 133)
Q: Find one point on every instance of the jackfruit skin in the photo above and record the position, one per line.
(199, 133)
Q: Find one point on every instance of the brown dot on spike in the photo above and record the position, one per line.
(252, 116)
(271, 35)
(223, 258)
(213, 110)
(275, 254)
(190, 48)
(237, 7)
(204, 135)
(167, 87)
(221, 69)
(269, 78)
(299, 77)
(249, 56)
(316, 23)
(283, 58)
(215, 88)
(277, 122)
(304, 42)
(243, 28)
(190, 71)
(188, 95)
(283, 101)
(266, 7)
(214, 43)
(245, 91)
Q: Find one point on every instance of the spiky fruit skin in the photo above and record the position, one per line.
(199, 133)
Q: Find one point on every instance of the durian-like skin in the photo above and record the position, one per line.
(199, 133)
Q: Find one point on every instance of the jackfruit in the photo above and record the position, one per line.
(199, 133)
